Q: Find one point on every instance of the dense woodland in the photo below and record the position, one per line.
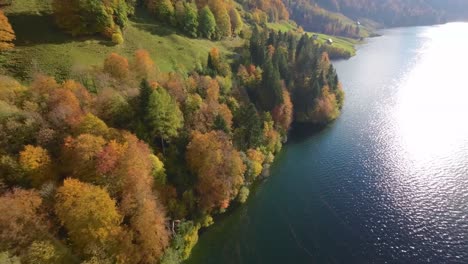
(331, 16)
(123, 163)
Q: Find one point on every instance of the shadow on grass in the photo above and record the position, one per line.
(36, 29)
(143, 20)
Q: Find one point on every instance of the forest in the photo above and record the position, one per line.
(124, 163)
(340, 17)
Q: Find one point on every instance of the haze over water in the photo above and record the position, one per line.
(386, 183)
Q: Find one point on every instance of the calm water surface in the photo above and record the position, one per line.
(386, 183)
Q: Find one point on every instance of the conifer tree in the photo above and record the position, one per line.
(270, 94)
(190, 22)
(207, 25)
(164, 117)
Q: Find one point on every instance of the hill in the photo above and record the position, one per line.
(129, 125)
(340, 16)
(42, 47)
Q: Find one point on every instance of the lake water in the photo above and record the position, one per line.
(386, 183)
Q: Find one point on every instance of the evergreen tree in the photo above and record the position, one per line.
(270, 94)
(257, 47)
(164, 10)
(248, 132)
(190, 25)
(220, 124)
(164, 117)
(207, 23)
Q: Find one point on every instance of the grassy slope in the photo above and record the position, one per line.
(347, 44)
(40, 46)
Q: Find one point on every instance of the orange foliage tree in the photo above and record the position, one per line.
(283, 113)
(64, 108)
(21, 220)
(7, 35)
(80, 156)
(218, 166)
(143, 64)
(117, 66)
(146, 215)
(326, 107)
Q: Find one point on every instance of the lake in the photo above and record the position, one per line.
(386, 183)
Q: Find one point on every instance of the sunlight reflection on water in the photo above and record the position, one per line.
(431, 110)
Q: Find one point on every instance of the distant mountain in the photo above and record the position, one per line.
(328, 15)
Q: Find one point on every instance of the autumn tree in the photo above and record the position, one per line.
(113, 108)
(163, 9)
(37, 164)
(89, 214)
(83, 17)
(218, 166)
(272, 138)
(21, 220)
(207, 25)
(44, 252)
(216, 65)
(146, 215)
(164, 116)
(11, 89)
(158, 171)
(64, 108)
(223, 21)
(117, 66)
(143, 65)
(236, 21)
(43, 84)
(7, 258)
(91, 124)
(326, 108)
(108, 158)
(7, 35)
(283, 113)
(256, 159)
(80, 156)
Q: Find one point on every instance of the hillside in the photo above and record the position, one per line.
(42, 47)
(339, 17)
(126, 127)
(342, 48)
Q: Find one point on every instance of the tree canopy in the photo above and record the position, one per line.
(7, 35)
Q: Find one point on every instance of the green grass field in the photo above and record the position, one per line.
(347, 44)
(42, 47)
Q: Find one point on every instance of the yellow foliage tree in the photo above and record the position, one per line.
(89, 214)
(257, 158)
(91, 124)
(326, 107)
(37, 164)
(7, 35)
